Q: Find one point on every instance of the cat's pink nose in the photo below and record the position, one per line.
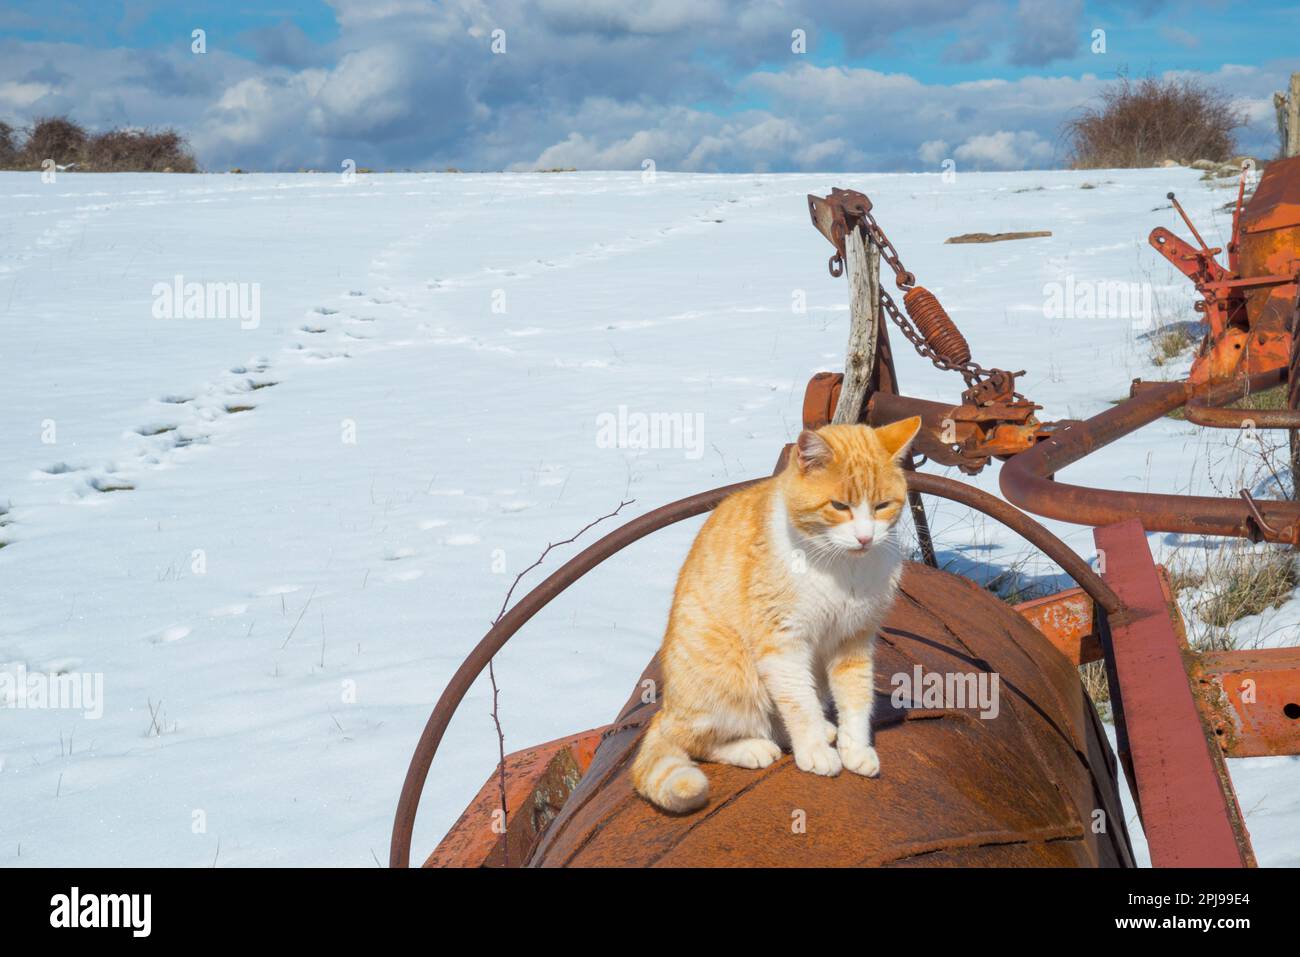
(864, 540)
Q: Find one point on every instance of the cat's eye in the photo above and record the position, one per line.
(881, 506)
(839, 506)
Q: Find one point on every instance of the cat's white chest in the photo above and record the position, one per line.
(835, 602)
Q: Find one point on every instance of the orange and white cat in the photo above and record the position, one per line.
(776, 611)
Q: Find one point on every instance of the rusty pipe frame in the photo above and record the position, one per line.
(472, 667)
(1027, 480)
(1201, 412)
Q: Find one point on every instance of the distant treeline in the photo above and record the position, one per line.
(69, 146)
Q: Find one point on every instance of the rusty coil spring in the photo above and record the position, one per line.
(936, 326)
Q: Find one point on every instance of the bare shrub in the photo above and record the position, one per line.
(54, 138)
(140, 151)
(8, 145)
(68, 144)
(1143, 122)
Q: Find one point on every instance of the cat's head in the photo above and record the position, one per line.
(844, 488)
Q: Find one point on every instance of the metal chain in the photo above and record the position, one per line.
(888, 253)
(972, 372)
(854, 209)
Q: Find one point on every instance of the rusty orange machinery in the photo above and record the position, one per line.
(1249, 304)
(966, 435)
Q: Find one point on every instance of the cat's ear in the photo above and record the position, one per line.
(897, 436)
(813, 452)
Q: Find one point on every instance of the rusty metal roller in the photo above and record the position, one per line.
(940, 332)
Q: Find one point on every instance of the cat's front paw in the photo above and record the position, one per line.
(747, 753)
(819, 758)
(860, 758)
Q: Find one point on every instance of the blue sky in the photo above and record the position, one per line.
(692, 84)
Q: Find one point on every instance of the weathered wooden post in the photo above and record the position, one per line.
(1288, 118)
(862, 268)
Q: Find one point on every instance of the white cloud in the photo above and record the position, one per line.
(933, 152)
(22, 95)
(1004, 150)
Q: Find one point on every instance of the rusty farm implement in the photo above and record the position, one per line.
(1029, 786)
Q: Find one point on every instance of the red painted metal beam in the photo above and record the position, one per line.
(1185, 798)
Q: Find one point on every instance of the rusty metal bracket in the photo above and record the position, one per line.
(1252, 699)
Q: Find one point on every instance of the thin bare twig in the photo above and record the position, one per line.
(496, 710)
(541, 558)
(299, 619)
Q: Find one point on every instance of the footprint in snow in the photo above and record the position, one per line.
(259, 365)
(463, 539)
(182, 441)
(105, 484)
(551, 475)
(406, 575)
(277, 590)
(397, 554)
(156, 428)
(174, 633)
(252, 385)
(429, 523)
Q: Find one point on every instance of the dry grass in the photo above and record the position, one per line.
(1274, 398)
(1015, 583)
(1142, 122)
(1219, 587)
(1171, 342)
(1093, 676)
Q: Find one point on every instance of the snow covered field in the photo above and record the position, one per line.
(274, 539)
